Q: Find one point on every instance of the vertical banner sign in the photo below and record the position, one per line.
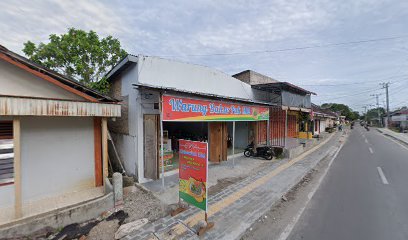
(193, 172)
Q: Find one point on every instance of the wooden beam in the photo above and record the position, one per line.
(47, 78)
(18, 213)
(105, 148)
(98, 151)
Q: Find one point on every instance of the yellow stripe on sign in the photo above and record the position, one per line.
(218, 206)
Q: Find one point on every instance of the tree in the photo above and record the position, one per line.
(80, 55)
(343, 109)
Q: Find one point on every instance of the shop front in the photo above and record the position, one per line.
(228, 128)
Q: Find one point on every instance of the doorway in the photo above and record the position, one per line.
(218, 141)
(151, 146)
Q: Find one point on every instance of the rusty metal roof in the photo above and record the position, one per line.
(282, 86)
(28, 106)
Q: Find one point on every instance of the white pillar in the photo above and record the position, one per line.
(17, 169)
(161, 140)
(233, 143)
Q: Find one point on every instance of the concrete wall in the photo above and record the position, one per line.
(57, 156)
(253, 78)
(6, 195)
(17, 82)
(58, 218)
(124, 130)
(322, 125)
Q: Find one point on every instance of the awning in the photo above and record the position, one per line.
(27, 106)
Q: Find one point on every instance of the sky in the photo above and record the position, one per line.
(269, 37)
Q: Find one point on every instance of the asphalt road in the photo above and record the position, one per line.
(364, 194)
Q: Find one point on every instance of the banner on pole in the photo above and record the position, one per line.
(193, 172)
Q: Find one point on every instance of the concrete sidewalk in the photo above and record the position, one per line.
(403, 137)
(236, 207)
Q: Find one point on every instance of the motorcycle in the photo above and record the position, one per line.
(366, 127)
(264, 151)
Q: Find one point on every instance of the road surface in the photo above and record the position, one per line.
(364, 194)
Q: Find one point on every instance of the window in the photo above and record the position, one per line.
(6, 153)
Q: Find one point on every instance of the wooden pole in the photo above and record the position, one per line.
(104, 149)
(17, 169)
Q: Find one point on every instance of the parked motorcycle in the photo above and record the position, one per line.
(264, 151)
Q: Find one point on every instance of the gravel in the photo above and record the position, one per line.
(142, 204)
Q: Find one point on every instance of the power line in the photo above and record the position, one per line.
(359, 93)
(355, 83)
(291, 49)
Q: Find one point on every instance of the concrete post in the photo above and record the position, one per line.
(233, 144)
(118, 189)
(18, 212)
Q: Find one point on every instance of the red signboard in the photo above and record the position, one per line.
(193, 172)
(187, 109)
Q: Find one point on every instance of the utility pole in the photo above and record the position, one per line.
(365, 111)
(378, 109)
(385, 85)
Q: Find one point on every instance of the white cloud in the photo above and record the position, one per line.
(185, 27)
(36, 20)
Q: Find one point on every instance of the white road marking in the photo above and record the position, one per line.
(371, 150)
(382, 176)
(289, 228)
(389, 138)
(366, 141)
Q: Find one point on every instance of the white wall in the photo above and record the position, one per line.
(57, 155)
(18, 82)
(322, 126)
(7, 196)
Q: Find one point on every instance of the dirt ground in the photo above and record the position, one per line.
(138, 204)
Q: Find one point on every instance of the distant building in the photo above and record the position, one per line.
(399, 119)
(290, 119)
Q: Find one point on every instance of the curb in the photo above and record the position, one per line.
(393, 137)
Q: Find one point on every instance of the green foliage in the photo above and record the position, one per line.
(373, 113)
(343, 109)
(80, 55)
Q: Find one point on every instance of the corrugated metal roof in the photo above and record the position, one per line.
(186, 77)
(282, 86)
(20, 106)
